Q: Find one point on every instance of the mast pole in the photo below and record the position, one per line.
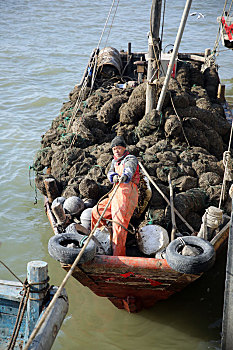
(174, 54)
(153, 53)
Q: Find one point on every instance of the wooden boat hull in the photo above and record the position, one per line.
(132, 283)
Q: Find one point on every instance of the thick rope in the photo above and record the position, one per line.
(68, 275)
(22, 305)
(19, 318)
(227, 160)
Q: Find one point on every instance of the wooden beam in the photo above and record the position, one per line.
(153, 49)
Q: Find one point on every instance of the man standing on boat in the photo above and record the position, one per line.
(125, 167)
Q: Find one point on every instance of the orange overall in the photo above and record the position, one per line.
(120, 210)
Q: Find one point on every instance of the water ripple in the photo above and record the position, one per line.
(44, 48)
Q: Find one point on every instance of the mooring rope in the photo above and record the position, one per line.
(19, 318)
(1, 262)
(226, 165)
(68, 275)
(23, 303)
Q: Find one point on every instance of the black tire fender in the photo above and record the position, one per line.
(57, 248)
(190, 264)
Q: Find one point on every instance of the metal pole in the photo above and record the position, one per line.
(174, 54)
(227, 322)
(153, 49)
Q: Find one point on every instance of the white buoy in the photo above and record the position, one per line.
(152, 239)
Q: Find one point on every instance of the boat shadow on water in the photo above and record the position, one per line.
(198, 309)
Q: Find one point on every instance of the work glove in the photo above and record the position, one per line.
(124, 178)
(115, 179)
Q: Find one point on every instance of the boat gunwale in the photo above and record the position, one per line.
(133, 262)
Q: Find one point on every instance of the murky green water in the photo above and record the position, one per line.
(45, 46)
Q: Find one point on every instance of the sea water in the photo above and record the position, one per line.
(45, 47)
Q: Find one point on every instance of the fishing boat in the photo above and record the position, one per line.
(134, 283)
(139, 279)
(22, 304)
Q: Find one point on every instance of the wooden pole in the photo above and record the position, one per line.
(37, 276)
(165, 197)
(59, 213)
(172, 209)
(51, 189)
(153, 53)
(221, 93)
(174, 54)
(47, 333)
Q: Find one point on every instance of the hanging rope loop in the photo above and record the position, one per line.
(226, 159)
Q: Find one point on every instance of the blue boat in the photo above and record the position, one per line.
(22, 305)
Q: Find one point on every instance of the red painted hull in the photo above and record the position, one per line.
(131, 283)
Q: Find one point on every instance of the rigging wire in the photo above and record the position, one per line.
(230, 8)
(216, 45)
(93, 70)
(164, 7)
(109, 13)
(112, 23)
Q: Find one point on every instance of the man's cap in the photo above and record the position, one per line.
(118, 141)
